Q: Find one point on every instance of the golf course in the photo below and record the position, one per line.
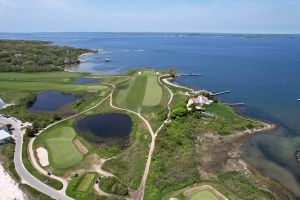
(72, 148)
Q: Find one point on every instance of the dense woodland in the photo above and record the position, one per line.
(36, 56)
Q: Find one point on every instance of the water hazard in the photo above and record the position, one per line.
(51, 101)
(105, 129)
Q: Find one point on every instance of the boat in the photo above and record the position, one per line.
(298, 99)
(106, 60)
(297, 156)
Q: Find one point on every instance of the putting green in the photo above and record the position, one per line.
(86, 182)
(62, 151)
(153, 92)
(204, 195)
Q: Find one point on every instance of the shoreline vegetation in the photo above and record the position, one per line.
(37, 56)
(207, 146)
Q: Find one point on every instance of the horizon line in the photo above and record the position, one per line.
(154, 32)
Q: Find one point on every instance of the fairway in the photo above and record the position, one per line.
(86, 182)
(137, 91)
(142, 91)
(41, 86)
(62, 151)
(204, 195)
(153, 92)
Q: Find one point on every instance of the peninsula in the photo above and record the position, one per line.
(128, 136)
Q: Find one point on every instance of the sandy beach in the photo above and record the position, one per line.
(11, 191)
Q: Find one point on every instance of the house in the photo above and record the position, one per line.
(198, 102)
(5, 137)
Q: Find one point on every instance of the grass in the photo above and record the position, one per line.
(86, 182)
(153, 92)
(203, 195)
(176, 148)
(62, 152)
(76, 182)
(136, 92)
(245, 188)
(42, 86)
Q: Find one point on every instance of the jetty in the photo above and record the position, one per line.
(234, 104)
(192, 74)
(219, 93)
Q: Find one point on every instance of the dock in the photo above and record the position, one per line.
(192, 74)
(234, 104)
(219, 93)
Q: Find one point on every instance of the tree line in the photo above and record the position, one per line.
(36, 56)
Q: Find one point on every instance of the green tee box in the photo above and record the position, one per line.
(86, 182)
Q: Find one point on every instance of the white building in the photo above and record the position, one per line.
(199, 102)
(4, 136)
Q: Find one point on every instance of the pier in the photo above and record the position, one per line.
(192, 74)
(219, 93)
(234, 104)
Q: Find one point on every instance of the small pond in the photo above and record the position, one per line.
(105, 129)
(86, 81)
(51, 101)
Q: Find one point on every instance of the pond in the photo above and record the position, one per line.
(86, 81)
(51, 101)
(108, 129)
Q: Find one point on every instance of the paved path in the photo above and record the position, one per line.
(26, 177)
(139, 194)
(31, 151)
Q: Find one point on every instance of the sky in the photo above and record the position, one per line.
(213, 16)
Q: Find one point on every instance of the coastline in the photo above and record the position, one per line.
(239, 139)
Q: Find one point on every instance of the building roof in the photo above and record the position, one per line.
(4, 135)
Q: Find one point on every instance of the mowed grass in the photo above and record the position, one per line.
(142, 91)
(137, 91)
(153, 92)
(36, 82)
(41, 86)
(204, 195)
(86, 182)
(62, 152)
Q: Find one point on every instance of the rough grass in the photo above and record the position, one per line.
(203, 195)
(86, 182)
(153, 92)
(62, 152)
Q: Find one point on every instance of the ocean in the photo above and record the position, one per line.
(262, 71)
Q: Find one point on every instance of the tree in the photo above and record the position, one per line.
(178, 112)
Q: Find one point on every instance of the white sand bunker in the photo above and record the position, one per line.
(42, 155)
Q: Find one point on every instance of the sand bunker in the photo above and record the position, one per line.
(80, 147)
(42, 155)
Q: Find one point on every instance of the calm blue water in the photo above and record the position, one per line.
(51, 101)
(262, 72)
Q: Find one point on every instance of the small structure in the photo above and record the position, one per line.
(198, 102)
(139, 73)
(5, 137)
(2, 103)
(3, 127)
